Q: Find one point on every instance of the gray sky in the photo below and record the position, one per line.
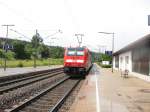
(126, 18)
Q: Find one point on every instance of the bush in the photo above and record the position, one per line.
(1, 53)
(10, 55)
(106, 66)
(20, 64)
(103, 66)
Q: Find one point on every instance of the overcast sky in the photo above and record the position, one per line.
(126, 18)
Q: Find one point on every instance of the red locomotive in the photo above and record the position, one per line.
(77, 61)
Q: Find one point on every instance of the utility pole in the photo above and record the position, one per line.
(79, 39)
(59, 31)
(112, 51)
(50, 44)
(35, 52)
(6, 44)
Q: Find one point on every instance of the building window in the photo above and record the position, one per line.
(127, 59)
(117, 61)
(121, 60)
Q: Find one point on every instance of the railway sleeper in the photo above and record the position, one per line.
(34, 109)
(41, 106)
(41, 103)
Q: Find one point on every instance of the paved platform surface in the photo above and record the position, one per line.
(103, 91)
(13, 71)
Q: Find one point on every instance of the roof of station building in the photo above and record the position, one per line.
(142, 41)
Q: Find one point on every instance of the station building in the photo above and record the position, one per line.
(135, 57)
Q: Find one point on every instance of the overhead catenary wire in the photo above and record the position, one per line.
(20, 34)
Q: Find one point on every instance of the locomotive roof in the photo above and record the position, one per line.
(76, 48)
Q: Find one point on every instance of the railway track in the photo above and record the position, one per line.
(48, 100)
(19, 91)
(37, 93)
(14, 84)
(21, 77)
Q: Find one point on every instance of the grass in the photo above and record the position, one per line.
(29, 63)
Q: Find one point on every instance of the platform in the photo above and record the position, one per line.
(103, 91)
(14, 71)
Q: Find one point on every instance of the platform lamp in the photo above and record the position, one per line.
(110, 33)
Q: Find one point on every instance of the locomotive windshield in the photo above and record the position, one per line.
(71, 52)
(80, 53)
(75, 52)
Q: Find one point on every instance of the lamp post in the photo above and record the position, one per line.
(50, 43)
(112, 33)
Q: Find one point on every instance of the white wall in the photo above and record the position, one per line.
(114, 62)
(114, 66)
(123, 65)
(141, 76)
(105, 62)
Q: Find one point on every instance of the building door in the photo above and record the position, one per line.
(127, 62)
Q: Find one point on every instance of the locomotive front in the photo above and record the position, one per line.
(76, 61)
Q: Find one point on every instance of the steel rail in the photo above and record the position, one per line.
(22, 75)
(26, 78)
(62, 100)
(27, 83)
(33, 98)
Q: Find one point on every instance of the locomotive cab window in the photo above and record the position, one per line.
(75, 51)
(71, 52)
(80, 53)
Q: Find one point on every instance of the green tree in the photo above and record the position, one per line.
(105, 57)
(9, 55)
(45, 51)
(36, 43)
(19, 49)
(1, 53)
(28, 50)
(57, 52)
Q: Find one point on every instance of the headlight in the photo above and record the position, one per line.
(69, 60)
(80, 61)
